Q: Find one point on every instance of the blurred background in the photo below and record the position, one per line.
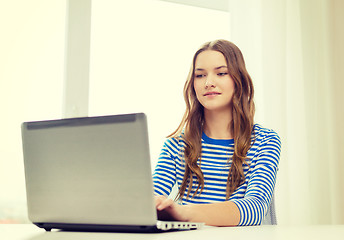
(88, 58)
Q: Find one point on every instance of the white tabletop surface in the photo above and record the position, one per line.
(327, 232)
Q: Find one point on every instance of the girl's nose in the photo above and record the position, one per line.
(209, 82)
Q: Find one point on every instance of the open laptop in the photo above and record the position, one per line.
(91, 174)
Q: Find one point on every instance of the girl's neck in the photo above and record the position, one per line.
(217, 124)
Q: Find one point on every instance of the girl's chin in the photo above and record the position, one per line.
(213, 108)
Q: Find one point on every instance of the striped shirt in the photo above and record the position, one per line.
(252, 198)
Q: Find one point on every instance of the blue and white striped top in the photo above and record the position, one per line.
(253, 197)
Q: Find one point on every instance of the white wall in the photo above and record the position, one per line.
(31, 67)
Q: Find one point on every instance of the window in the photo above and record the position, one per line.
(141, 55)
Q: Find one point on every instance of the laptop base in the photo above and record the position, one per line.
(98, 228)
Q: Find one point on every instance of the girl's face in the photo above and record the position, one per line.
(213, 86)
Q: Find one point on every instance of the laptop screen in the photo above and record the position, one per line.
(93, 170)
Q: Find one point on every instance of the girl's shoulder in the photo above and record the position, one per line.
(176, 140)
(262, 134)
(266, 143)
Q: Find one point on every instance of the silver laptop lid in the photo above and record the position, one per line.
(93, 170)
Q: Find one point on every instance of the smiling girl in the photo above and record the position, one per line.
(223, 163)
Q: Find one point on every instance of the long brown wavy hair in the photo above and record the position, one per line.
(241, 126)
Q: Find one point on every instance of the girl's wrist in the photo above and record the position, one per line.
(186, 213)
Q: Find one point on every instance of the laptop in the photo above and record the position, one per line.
(92, 174)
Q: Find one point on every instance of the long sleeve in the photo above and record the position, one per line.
(256, 201)
(164, 176)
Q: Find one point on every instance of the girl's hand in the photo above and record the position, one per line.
(169, 210)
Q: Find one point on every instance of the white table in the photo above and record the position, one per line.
(327, 232)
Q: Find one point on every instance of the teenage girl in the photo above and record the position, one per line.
(223, 163)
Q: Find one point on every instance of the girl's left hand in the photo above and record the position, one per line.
(169, 210)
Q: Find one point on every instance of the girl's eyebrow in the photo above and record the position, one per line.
(201, 69)
(223, 66)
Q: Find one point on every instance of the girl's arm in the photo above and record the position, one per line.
(164, 176)
(214, 214)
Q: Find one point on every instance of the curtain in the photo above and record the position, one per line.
(294, 54)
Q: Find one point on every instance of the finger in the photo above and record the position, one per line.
(159, 199)
(165, 204)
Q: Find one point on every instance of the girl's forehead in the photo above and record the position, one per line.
(210, 59)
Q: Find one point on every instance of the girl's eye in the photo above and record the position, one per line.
(199, 75)
(222, 74)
